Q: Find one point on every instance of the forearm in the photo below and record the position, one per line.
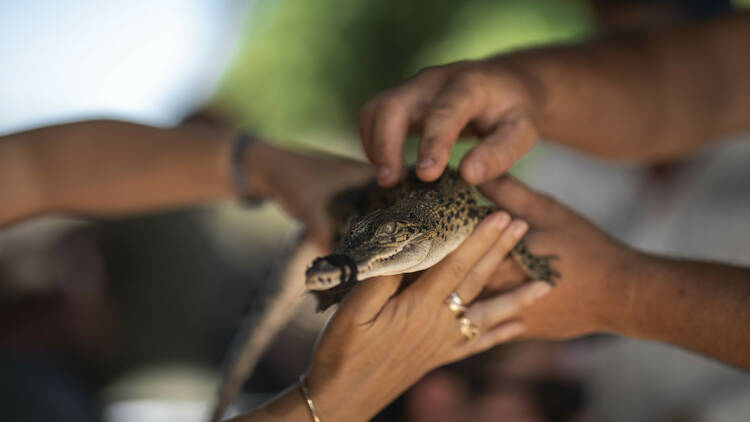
(701, 306)
(109, 168)
(649, 97)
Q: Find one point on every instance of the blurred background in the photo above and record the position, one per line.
(129, 319)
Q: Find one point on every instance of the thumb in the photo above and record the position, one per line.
(369, 296)
(510, 194)
(499, 150)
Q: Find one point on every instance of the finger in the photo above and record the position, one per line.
(369, 296)
(510, 194)
(441, 279)
(490, 312)
(494, 336)
(366, 118)
(443, 123)
(507, 274)
(389, 128)
(480, 273)
(498, 151)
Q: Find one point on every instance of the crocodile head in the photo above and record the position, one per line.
(388, 241)
(419, 225)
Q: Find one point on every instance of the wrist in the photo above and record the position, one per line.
(331, 402)
(336, 399)
(257, 158)
(531, 80)
(642, 315)
(551, 76)
(624, 294)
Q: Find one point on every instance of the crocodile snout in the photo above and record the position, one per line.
(330, 271)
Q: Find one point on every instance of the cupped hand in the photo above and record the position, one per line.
(379, 343)
(489, 99)
(593, 294)
(303, 184)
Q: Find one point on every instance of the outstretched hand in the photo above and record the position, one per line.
(486, 98)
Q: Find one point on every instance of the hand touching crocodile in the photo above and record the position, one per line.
(610, 287)
(685, 86)
(377, 343)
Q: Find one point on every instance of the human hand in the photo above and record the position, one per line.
(378, 344)
(487, 98)
(592, 295)
(303, 184)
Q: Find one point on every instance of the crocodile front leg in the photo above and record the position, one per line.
(536, 267)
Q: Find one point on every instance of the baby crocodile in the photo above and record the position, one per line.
(378, 231)
(403, 229)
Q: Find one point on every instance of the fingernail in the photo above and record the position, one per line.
(425, 163)
(502, 220)
(520, 229)
(478, 172)
(384, 172)
(541, 290)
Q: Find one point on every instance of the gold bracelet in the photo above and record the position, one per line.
(308, 400)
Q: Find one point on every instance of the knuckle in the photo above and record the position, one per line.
(438, 113)
(472, 276)
(429, 72)
(495, 154)
(470, 79)
(456, 268)
(392, 102)
(433, 147)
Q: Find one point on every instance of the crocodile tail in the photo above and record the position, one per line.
(260, 326)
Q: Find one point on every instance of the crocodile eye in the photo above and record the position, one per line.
(387, 228)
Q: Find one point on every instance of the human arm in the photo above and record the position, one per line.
(646, 97)
(105, 168)
(609, 287)
(377, 344)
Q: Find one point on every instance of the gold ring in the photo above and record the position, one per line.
(455, 304)
(467, 328)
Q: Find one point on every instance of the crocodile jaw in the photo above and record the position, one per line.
(404, 260)
(397, 260)
(438, 252)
